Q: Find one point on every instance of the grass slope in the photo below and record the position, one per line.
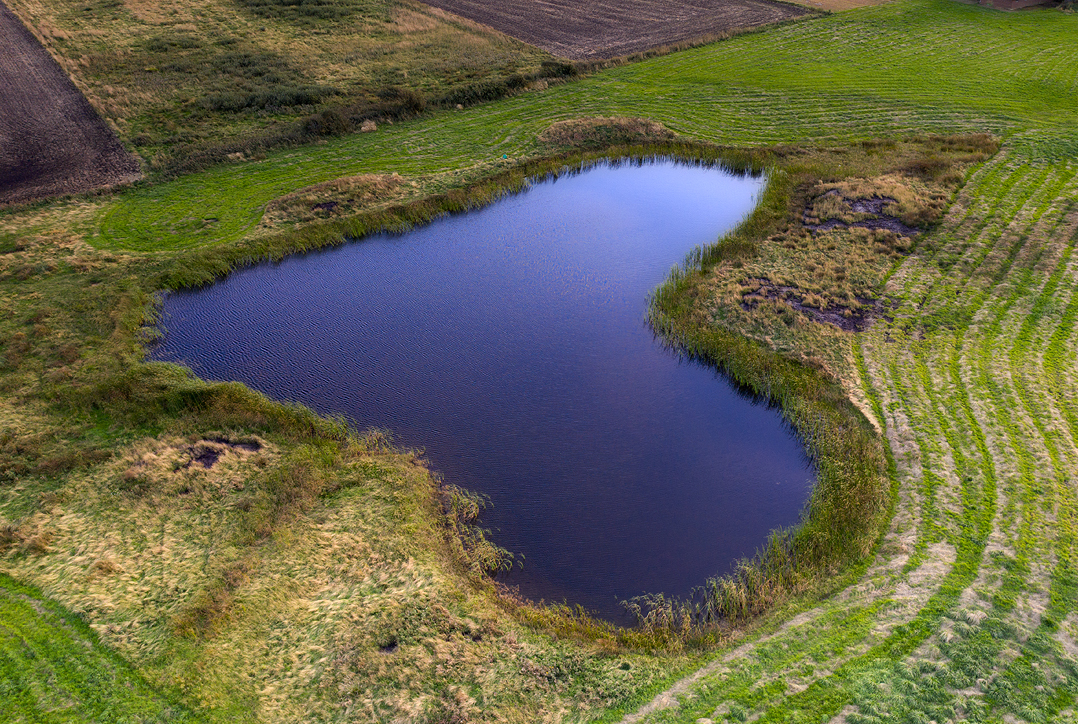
(967, 613)
(54, 669)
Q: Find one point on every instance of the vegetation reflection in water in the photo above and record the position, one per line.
(510, 343)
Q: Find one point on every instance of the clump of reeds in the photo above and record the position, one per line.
(468, 540)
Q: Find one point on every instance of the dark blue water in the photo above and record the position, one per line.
(510, 344)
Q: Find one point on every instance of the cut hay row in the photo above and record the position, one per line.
(987, 513)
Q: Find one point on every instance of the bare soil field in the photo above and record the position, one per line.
(51, 140)
(610, 28)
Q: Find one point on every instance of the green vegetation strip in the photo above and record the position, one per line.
(54, 669)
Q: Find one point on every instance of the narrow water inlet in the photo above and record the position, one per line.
(510, 344)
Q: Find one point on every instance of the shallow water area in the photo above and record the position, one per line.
(510, 344)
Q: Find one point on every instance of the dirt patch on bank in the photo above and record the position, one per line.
(855, 317)
(334, 199)
(52, 142)
(597, 29)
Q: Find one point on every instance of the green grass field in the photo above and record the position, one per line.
(967, 610)
(902, 68)
(54, 669)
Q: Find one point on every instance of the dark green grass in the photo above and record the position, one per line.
(53, 669)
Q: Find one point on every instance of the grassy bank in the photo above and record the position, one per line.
(973, 584)
(892, 70)
(258, 561)
(305, 573)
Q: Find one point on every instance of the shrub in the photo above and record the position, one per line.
(328, 123)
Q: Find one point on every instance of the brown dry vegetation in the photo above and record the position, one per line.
(611, 28)
(589, 132)
(826, 261)
(337, 198)
(51, 140)
(835, 6)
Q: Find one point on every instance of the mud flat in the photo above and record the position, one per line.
(591, 30)
(52, 142)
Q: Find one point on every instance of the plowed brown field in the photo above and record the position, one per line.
(52, 141)
(592, 29)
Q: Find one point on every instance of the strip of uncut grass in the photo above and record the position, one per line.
(905, 67)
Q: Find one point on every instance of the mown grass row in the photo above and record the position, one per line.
(975, 407)
(974, 652)
(818, 79)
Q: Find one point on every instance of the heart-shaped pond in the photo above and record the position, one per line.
(510, 343)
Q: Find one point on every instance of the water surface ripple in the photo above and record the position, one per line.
(510, 344)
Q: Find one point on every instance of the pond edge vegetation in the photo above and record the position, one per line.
(852, 498)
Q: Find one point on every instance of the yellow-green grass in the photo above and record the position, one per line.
(970, 601)
(966, 609)
(53, 668)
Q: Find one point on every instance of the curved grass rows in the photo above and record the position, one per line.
(921, 66)
(968, 612)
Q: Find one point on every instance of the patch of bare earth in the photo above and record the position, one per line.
(334, 199)
(52, 142)
(612, 28)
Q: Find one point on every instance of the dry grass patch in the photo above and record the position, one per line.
(197, 80)
(589, 132)
(335, 199)
(816, 276)
(909, 199)
(351, 604)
